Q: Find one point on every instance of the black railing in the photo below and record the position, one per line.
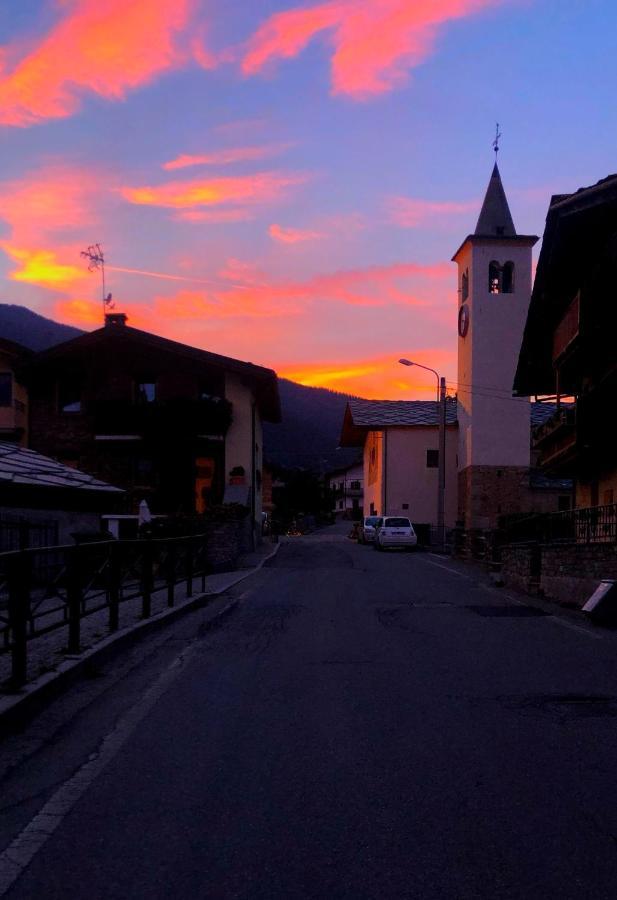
(589, 525)
(49, 588)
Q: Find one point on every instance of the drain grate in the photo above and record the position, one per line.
(508, 612)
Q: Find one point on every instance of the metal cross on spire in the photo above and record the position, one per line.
(496, 141)
(96, 260)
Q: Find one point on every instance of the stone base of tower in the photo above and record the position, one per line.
(487, 492)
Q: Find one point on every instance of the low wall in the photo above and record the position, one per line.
(565, 573)
(570, 573)
(226, 542)
(521, 566)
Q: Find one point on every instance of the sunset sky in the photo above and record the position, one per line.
(286, 182)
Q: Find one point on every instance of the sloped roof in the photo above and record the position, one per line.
(264, 380)
(577, 227)
(495, 218)
(368, 415)
(373, 415)
(19, 465)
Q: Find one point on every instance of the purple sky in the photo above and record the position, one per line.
(288, 181)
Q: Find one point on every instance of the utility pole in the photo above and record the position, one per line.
(442, 463)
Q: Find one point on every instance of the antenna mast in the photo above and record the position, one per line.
(96, 260)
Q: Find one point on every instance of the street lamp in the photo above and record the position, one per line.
(441, 481)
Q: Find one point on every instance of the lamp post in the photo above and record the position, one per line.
(441, 481)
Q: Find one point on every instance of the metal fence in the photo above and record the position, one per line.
(17, 534)
(589, 525)
(44, 589)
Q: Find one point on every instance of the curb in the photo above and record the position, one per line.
(16, 710)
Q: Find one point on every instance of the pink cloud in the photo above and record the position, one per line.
(409, 212)
(260, 187)
(226, 157)
(104, 48)
(292, 235)
(375, 42)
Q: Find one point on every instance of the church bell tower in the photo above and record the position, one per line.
(494, 288)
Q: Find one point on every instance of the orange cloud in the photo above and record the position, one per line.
(292, 235)
(226, 157)
(374, 378)
(376, 42)
(259, 187)
(410, 212)
(105, 48)
(47, 214)
(42, 267)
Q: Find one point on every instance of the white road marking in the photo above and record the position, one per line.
(448, 569)
(21, 851)
(580, 628)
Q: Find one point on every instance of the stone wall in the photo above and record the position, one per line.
(226, 542)
(565, 573)
(571, 573)
(520, 567)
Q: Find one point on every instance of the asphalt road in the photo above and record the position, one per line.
(364, 725)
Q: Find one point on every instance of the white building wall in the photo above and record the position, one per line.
(409, 480)
(487, 359)
(239, 439)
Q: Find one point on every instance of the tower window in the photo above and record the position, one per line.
(465, 285)
(494, 278)
(507, 278)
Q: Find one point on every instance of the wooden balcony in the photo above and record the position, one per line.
(567, 332)
(556, 441)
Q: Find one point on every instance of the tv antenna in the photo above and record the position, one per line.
(96, 261)
(496, 141)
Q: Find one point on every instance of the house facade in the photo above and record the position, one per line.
(568, 348)
(400, 443)
(13, 393)
(347, 490)
(174, 425)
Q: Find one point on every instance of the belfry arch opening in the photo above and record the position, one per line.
(501, 278)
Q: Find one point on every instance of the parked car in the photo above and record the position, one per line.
(395, 531)
(367, 529)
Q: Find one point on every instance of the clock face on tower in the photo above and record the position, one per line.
(463, 320)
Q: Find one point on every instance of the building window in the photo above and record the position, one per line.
(432, 459)
(465, 285)
(144, 472)
(145, 391)
(507, 278)
(563, 503)
(609, 497)
(405, 505)
(69, 396)
(6, 389)
(355, 485)
(340, 504)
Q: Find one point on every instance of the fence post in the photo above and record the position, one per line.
(19, 612)
(146, 580)
(203, 564)
(74, 599)
(189, 567)
(114, 587)
(171, 573)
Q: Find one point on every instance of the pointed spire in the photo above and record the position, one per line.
(495, 219)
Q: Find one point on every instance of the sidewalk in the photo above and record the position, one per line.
(48, 660)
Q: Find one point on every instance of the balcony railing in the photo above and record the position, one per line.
(556, 438)
(171, 417)
(588, 525)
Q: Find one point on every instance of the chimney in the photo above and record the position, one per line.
(115, 320)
